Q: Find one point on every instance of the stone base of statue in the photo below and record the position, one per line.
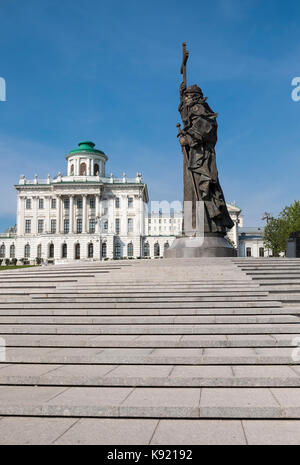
(209, 245)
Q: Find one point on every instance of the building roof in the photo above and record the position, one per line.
(85, 146)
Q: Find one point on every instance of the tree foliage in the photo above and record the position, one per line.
(278, 229)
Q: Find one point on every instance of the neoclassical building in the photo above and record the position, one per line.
(89, 215)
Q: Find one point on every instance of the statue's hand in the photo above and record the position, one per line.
(182, 88)
(182, 140)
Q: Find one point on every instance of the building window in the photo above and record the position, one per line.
(130, 249)
(117, 202)
(53, 226)
(90, 250)
(41, 204)
(51, 251)
(92, 203)
(66, 226)
(53, 203)
(103, 250)
(64, 251)
(66, 204)
(146, 249)
(28, 226)
(248, 251)
(40, 226)
(72, 170)
(12, 251)
(2, 251)
(130, 225)
(105, 226)
(79, 226)
(130, 202)
(117, 225)
(39, 251)
(79, 203)
(261, 252)
(92, 225)
(118, 253)
(28, 204)
(82, 169)
(27, 251)
(156, 250)
(77, 252)
(96, 169)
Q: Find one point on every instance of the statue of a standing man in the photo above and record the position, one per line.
(198, 138)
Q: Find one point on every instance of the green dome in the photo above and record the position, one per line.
(86, 146)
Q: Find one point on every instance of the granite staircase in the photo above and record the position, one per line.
(187, 351)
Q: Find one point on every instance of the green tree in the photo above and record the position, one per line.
(275, 235)
(277, 230)
(291, 215)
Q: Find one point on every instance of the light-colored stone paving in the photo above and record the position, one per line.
(191, 351)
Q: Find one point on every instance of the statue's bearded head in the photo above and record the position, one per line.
(192, 95)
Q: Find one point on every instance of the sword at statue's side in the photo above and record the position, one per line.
(183, 148)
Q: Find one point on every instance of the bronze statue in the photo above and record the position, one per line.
(198, 138)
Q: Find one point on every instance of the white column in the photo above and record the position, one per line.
(20, 216)
(71, 214)
(58, 213)
(92, 167)
(84, 213)
(48, 210)
(97, 206)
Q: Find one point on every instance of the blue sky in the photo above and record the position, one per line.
(108, 71)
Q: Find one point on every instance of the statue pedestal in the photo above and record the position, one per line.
(211, 245)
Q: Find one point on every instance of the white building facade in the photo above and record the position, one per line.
(88, 215)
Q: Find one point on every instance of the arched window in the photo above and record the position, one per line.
(39, 251)
(27, 251)
(146, 249)
(51, 251)
(12, 251)
(90, 250)
(156, 250)
(82, 169)
(72, 170)
(64, 251)
(130, 249)
(166, 246)
(77, 251)
(118, 252)
(103, 250)
(2, 251)
(96, 169)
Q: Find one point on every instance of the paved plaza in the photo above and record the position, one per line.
(141, 352)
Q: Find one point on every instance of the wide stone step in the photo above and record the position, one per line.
(151, 375)
(145, 320)
(153, 341)
(256, 311)
(133, 305)
(166, 402)
(152, 329)
(150, 356)
(156, 299)
(136, 296)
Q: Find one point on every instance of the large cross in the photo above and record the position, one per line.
(185, 55)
